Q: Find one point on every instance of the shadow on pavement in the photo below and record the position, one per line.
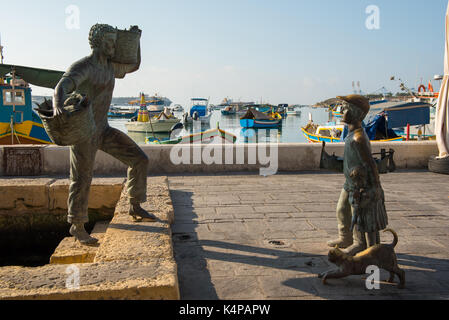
(194, 278)
(426, 277)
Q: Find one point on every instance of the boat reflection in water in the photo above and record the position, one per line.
(214, 136)
(256, 135)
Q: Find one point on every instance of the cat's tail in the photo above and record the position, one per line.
(395, 235)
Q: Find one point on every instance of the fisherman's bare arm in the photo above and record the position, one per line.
(77, 74)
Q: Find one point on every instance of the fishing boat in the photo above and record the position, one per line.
(178, 108)
(259, 120)
(377, 128)
(425, 95)
(19, 122)
(282, 109)
(201, 137)
(409, 119)
(293, 111)
(229, 111)
(337, 133)
(240, 107)
(163, 122)
(122, 112)
(386, 121)
(198, 112)
(155, 104)
(428, 94)
(325, 133)
(158, 124)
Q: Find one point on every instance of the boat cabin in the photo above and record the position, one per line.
(199, 105)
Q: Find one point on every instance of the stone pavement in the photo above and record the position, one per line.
(250, 237)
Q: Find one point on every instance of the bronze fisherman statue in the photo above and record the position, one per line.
(361, 210)
(94, 77)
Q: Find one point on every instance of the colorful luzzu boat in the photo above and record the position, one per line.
(323, 133)
(163, 122)
(316, 138)
(257, 120)
(19, 123)
(336, 132)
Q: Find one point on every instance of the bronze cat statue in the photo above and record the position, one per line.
(380, 255)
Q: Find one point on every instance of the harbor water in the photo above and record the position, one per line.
(289, 132)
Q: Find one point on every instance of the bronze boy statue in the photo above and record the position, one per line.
(94, 76)
(361, 210)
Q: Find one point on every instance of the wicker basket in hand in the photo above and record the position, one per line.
(75, 126)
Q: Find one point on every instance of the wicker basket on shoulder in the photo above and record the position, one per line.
(127, 45)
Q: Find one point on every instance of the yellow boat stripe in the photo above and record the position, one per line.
(310, 136)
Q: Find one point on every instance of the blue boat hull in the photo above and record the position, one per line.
(122, 115)
(259, 124)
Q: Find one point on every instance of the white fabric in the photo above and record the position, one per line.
(442, 113)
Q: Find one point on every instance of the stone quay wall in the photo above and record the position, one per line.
(176, 159)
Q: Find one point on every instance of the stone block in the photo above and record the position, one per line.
(71, 251)
(24, 193)
(115, 280)
(104, 193)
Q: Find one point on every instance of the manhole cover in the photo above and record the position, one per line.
(277, 243)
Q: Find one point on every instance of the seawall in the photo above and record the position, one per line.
(167, 159)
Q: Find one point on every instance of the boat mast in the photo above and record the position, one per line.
(1, 58)
(1, 50)
(13, 104)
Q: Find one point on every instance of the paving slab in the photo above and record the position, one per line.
(276, 249)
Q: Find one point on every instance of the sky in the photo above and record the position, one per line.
(275, 51)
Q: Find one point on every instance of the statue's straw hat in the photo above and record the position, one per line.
(357, 100)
